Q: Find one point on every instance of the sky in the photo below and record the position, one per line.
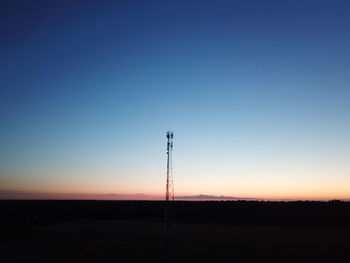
(256, 92)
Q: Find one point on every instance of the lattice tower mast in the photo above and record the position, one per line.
(169, 196)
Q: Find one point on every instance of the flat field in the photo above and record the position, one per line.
(113, 231)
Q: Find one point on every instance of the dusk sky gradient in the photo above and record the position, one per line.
(256, 92)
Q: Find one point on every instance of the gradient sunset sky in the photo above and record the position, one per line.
(256, 92)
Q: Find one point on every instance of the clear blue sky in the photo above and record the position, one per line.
(256, 92)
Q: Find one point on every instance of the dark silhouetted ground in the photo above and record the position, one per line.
(133, 231)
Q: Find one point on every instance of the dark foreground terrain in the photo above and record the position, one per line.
(133, 231)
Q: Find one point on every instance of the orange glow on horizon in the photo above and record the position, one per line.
(17, 194)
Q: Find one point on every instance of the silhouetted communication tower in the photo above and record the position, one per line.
(169, 171)
(169, 216)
